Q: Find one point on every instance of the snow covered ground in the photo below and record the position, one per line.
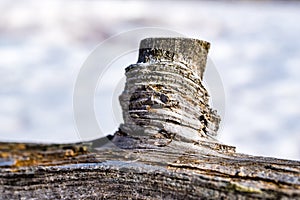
(255, 48)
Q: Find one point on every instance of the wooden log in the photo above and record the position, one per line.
(166, 148)
(179, 171)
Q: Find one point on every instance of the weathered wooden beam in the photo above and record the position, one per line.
(166, 148)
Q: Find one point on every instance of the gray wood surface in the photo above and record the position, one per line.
(176, 171)
(166, 148)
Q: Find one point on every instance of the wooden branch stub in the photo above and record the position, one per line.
(164, 97)
(166, 148)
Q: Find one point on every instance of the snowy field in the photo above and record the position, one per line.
(254, 46)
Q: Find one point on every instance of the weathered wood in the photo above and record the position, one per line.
(164, 95)
(166, 148)
(177, 171)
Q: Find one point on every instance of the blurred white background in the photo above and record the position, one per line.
(255, 47)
